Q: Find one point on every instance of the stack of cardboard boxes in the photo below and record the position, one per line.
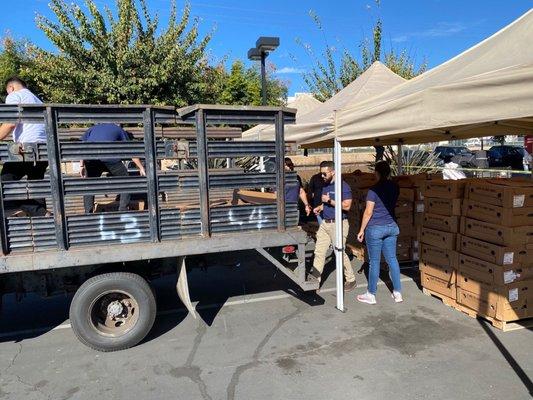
(438, 237)
(477, 247)
(495, 265)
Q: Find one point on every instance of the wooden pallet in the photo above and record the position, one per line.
(445, 299)
(502, 325)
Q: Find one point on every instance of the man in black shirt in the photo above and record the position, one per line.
(316, 183)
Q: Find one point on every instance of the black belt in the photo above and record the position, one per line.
(331, 221)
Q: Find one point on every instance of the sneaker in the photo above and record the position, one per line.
(349, 286)
(397, 296)
(368, 298)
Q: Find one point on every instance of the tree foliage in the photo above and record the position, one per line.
(243, 86)
(15, 59)
(127, 56)
(331, 73)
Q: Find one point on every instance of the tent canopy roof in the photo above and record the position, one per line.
(319, 122)
(484, 91)
(303, 103)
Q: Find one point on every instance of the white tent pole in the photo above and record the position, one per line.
(338, 245)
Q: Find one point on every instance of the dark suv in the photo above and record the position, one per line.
(515, 157)
(460, 155)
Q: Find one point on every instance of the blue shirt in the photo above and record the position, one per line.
(329, 211)
(105, 133)
(385, 196)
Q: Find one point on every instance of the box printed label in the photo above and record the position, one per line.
(519, 200)
(513, 294)
(510, 276)
(508, 258)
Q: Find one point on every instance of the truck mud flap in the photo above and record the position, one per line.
(182, 286)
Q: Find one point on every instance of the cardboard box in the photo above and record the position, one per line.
(492, 274)
(438, 256)
(438, 285)
(405, 219)
(361, 180)
(441, 222)
(512, 217)
(506, 303)
(403, 251)
(497, 234)
(433, 237)
(439, 271)
(407, 231)
(497, 305)
(406, 194)
(71, 168)
(445, 189)
(519, 255)
(403, 207)
(505, 193)
(442, 206)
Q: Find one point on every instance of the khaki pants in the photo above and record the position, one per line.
(325, 236)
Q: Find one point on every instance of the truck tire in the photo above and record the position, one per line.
(113, 311)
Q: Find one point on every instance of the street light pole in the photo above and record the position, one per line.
(263, 79)
(263, 47)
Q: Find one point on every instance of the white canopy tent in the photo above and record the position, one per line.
(312, 125)
(304, 103)
(486, 90)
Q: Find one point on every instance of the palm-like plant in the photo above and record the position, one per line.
(414, 161)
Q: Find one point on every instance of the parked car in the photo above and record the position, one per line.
(475, 142)
(460, 155)
(505, 156)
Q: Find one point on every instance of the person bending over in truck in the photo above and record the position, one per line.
(18, 93)
(115, 167)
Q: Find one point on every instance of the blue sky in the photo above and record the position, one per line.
(435, 30)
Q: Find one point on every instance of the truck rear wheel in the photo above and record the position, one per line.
(113, 311)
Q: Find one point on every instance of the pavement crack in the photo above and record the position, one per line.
(14, 359)
(191, 371)
(232, 386)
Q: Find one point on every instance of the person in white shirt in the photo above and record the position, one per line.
(18, 93)
(451, 170)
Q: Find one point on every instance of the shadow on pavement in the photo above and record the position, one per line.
(522, 375)
(213, 280)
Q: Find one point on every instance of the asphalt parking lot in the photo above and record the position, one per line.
(258, 337)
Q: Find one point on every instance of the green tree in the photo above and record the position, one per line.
(329, 75)
(127, 58)
(243, 86)
(16, 59)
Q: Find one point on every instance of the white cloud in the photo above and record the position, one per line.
(290, 70)
(442, 29)
(400, 39)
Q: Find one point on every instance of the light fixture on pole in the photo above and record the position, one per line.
(263, 47)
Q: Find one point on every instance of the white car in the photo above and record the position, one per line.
(475, 142)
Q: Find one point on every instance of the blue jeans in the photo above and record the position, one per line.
(382, 238)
